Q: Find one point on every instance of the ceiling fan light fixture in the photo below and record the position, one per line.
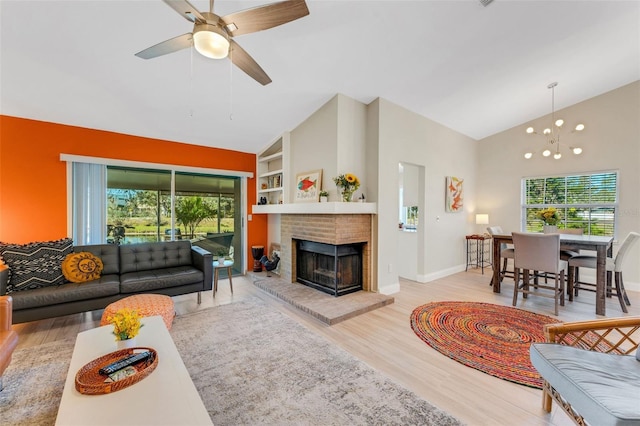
(210, 41)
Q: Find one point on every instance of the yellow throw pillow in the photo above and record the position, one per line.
(81, 267)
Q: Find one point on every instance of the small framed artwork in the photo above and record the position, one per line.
(453, 194)
(308, 186)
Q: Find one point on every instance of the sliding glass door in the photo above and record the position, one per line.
(205, 209)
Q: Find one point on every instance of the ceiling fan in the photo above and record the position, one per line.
(212, 35)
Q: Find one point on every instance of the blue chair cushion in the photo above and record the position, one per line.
(602, 388)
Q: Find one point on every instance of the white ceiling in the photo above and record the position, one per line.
(478, 70)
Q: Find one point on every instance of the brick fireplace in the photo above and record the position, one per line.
(336, 229)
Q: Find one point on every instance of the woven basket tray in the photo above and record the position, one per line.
(89, 381)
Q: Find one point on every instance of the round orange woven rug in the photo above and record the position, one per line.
(491, 338)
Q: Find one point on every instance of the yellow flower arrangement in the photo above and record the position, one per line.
(126, 324)
(550, 216)
(349, 183)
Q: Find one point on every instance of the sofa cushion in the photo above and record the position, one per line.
(109, 254)
(81, 267)
(35, 265)
(152, 256)
(106, 285)
(147, 281)
(601, 387)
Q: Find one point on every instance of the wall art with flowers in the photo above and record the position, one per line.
(454, 194)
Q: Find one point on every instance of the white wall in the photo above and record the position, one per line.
(611, 141)
(351, 158)
(331, 139)
(404, 136)
(314, 145)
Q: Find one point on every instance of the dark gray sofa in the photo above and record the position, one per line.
(171, 268)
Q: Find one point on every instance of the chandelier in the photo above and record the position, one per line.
(552, 133)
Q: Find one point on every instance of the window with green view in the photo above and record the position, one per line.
(587, 201)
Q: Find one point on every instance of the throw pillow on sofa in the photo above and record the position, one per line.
(81, 267)
(35, 265)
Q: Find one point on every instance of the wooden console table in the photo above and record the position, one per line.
(603, 246)
(166, 397)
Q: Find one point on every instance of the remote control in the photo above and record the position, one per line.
(124, 362)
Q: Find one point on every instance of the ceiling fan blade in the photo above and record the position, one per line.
(264, 17)
(167, 46)
(246, 63)
(186, 10)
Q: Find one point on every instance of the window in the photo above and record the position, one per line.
(140, 207)
(587, 201)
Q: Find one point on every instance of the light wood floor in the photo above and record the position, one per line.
(384, 340)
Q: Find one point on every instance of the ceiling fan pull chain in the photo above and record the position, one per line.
(230, 84)
(191, 82)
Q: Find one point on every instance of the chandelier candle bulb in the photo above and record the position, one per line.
(553, 137)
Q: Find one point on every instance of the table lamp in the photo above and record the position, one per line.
(482, 219)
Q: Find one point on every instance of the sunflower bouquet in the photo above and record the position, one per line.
(126, 324)
(348, 182)
(550, 216)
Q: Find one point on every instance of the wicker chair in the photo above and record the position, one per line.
(583, 362)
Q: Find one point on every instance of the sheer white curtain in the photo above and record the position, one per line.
(89, 203)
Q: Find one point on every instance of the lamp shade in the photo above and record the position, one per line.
(482, 219)
(210, 41)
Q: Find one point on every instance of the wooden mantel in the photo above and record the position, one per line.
(316, 208)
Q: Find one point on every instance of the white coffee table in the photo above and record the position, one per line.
(166, 397)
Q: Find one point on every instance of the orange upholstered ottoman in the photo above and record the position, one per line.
(147, 305)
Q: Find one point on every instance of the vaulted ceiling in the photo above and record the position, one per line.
(478, 70)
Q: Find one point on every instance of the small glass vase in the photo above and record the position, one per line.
(126, 344)
(346, 195)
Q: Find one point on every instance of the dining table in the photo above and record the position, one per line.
(603, 246)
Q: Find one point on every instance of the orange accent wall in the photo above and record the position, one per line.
(33, 181)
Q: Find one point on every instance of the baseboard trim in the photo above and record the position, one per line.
(389, 289)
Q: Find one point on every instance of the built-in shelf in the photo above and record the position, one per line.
(271, 157)
(316, 208)
(272, 171)
(271, 189)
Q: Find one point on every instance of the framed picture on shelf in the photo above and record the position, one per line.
(308, 186)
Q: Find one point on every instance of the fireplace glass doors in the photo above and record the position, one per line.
(334, 269)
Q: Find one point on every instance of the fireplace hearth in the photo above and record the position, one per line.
(333, 269)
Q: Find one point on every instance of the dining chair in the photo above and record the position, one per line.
(538, 252)
(566, 254)
(506, 252)
(614, 266)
